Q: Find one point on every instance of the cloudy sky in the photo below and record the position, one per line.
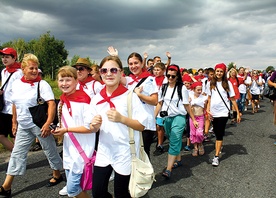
(197, 33)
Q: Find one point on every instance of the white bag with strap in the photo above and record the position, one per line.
(142, 173)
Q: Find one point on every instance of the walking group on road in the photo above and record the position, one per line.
(91, 117)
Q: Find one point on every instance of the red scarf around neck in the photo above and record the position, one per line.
(83, 83)
(13, 67)
(139, 77)
(23, 79)
(159, 80)
(119, 91)
(78, 96)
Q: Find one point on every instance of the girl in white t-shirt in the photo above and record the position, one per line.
(255, 84)
(198, 104)
(219, 92)
(114, 149)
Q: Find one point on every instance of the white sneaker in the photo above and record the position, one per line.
(63, 192)
(215, 161)
(211, 130)
(112, 176)
(245, 108)
(258, 106)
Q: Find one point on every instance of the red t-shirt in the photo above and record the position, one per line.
(235, 84)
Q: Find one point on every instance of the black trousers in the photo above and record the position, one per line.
(148, 139)
(101, 177)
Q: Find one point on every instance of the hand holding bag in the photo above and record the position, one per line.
(87, 174)
(40, 111)
(142, 172)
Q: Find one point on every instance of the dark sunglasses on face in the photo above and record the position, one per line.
(112, 70)
(80, 68)
(173, 76)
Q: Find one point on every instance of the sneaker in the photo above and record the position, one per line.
(215, 161)
(187, 148)
(249, 103)
(63, 192)
(245, 108)
(258, 106)
(159, 150)
(211, 130)
(5, 193)
(111, 178)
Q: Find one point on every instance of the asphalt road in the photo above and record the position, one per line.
(247, 166)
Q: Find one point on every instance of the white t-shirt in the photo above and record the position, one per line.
(114, 148)
(8, 88)
(255, 88)
(24, 95)
(149, 87)
(176, 106)
(91, 88)
(81, 116)
(217, 106)
(242, 87)
(199, 101)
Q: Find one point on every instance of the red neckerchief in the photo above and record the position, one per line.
(83, 83)
(241, 78)
(13, 67)
(23, 79)
(159, 80)
(139, 77)
(78, 96)
(119, 91)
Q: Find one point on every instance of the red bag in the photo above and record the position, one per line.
(87, 175)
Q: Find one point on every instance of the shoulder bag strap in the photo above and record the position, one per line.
(76, 143)
(140, 82)
(222, 99)
(6, 81)
(130, 130)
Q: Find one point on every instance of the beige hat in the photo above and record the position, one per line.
(83, 62)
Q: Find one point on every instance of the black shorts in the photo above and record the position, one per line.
(219, 125)
(255, 97)
(6, 125)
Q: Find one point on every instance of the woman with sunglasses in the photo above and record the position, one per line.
(86, 82)
(114, 150)
(144, 85)
(174, 103)
(219, 93)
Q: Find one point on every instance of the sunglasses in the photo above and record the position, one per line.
(173, 76)
(112, 70)
(80, 68)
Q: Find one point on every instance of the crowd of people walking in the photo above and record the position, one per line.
(168, 103)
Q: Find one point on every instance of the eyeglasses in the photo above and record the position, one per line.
(173, 76)
(80, 68)
(112, 70)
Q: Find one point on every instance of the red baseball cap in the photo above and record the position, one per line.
(9, 51)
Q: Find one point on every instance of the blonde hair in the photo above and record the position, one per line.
(27, 58)
(67, 71)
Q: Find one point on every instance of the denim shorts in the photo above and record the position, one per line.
(73, 183)
(159, 121)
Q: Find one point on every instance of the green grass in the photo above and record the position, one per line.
(57, 93)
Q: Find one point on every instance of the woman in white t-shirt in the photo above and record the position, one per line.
(114, 149)
(219, 93)
(145, 87)
(24, 95)
(256, 82)
(174, 106)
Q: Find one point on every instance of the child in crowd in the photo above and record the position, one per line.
(187, 80)
(75, 117)
(158, 71)
(198, 105)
